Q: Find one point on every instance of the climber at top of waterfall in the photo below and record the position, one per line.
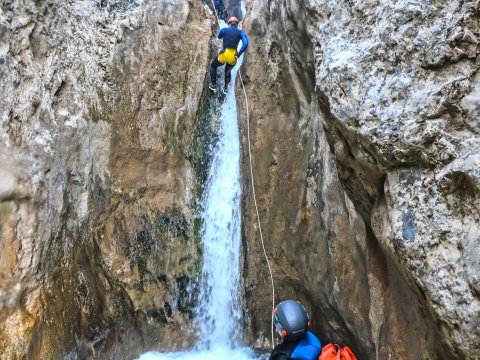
(228, 56)
(221, 12)
(291, 324)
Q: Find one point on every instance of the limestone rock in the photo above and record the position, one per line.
(101, 140)
(393, 87)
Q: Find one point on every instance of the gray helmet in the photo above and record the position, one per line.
(291, 320)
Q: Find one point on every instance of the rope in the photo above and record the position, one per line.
(253, 192)
(256, 206)
(216, 14)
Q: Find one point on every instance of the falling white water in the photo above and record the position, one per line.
(219, 313)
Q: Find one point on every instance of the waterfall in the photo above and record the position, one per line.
(219, 312)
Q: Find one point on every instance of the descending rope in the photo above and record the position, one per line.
(256, 206)
(216, 14)
(253, 192)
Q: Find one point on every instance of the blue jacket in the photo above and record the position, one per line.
(231, 37)
(307, 348)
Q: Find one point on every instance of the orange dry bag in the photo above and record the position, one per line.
(335, 352)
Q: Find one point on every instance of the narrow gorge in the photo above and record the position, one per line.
(364, 119)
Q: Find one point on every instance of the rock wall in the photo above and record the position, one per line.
(102, 140)
(366, 155)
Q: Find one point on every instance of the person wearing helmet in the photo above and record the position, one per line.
(231, 36)
(220, 7)
(291, 322)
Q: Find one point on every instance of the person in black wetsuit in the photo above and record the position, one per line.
(231, 36)
(221, 12)
(291, 323)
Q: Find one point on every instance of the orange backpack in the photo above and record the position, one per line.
(335, 352)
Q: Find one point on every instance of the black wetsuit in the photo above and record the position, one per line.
(222, 14)
(284, 350)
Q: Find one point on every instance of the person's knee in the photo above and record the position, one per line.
(215, 63)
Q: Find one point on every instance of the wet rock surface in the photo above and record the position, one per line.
(365, 133)
(100, 172)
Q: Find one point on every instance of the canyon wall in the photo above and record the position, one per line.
(365, 139)
(103, 136)
(365, 130)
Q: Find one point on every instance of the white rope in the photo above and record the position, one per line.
(256, 206)
(216, 14)
(253, 192)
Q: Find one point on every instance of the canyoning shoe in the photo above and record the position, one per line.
(213, 87)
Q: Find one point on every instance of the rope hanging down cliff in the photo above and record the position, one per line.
(253, 191)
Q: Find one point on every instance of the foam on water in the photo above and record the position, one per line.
(219, 313)
(215, 353)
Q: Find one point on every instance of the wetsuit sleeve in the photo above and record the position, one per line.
(244, 43)
(278, 357)
(283, 351)
(221, 33)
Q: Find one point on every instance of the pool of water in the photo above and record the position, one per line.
(216, 353)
